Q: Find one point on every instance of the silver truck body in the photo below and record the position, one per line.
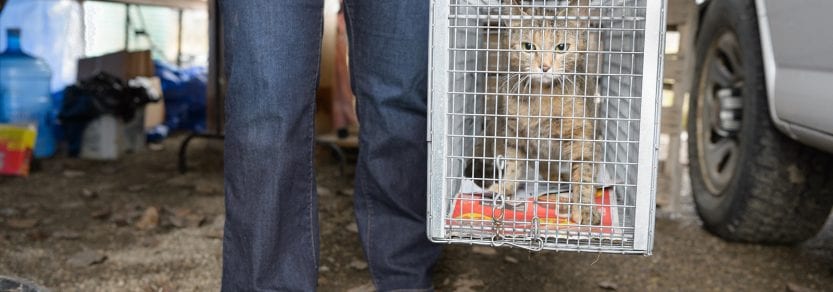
(797, 46)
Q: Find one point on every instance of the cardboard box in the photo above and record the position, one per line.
(155, 111)
(16, 144)
(125, 65)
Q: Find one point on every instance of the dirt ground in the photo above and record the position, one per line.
(138, 225)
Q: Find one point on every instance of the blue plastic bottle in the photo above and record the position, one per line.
(25, 93)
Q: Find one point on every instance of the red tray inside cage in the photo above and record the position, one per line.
(474, 213)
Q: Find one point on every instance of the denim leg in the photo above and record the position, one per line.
(271, 232)
(388, 61)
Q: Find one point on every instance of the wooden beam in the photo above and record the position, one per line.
(215, 99)
(180, 4)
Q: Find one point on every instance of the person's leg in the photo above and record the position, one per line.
(388, 61)
(271, 232)
(343, 113)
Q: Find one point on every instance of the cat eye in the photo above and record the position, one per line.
(528, 46)
(562, 47)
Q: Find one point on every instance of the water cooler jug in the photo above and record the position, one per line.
(25, 93)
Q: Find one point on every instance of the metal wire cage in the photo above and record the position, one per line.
(543, 123)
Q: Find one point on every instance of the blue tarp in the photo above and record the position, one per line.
(185, 95)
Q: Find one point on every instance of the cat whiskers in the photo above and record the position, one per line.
(513, 82)
(565, 80)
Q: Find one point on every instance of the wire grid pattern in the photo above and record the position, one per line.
(541, 120)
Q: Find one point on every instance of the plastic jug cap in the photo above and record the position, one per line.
(13, 32)
(13, 40)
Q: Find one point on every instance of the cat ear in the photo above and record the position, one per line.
(514, 12)
(576, 8)
(587, 16)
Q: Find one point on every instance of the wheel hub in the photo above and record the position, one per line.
(727, 111)
(719, 113)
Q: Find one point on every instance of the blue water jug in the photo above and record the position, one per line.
(25, 93)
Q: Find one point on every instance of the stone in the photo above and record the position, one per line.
(21, 223)
(324, 192)
(66, 234)
(183, 217)
(101, 214)
(207, 187)
(465, 284)
(89, 194)
(484, 250)
(352, 227)
(86, 258)
(8, 212)
(358, 264)
(69, 173)
(608, 285)
(149, 219)
(793, 287)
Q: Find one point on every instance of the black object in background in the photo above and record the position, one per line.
(96, 96)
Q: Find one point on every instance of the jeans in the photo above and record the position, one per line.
(273, 52)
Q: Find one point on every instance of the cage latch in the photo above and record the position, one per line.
(498, 203)
(536, 242)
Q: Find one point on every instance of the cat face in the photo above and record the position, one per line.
(545, 54)
(544, 50)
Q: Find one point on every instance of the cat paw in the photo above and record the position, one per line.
(586, 216)
(575, 216)
(498, 188)
(592, 216)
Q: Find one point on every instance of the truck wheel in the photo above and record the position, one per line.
(751, 183)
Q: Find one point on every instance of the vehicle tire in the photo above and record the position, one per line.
(751, 183)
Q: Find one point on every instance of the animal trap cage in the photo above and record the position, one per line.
(543, 123)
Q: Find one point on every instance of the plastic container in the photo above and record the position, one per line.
(24, 93)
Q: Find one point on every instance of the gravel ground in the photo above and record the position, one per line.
(138, 225)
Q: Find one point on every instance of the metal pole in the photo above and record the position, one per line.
(127, 27)
(179, 41)
(83, 27)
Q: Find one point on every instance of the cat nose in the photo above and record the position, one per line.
(545, 68)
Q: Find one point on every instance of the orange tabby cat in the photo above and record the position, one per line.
(544, 111)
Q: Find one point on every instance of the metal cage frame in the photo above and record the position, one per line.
(439, 93)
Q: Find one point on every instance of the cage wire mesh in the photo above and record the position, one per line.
(543, 123)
